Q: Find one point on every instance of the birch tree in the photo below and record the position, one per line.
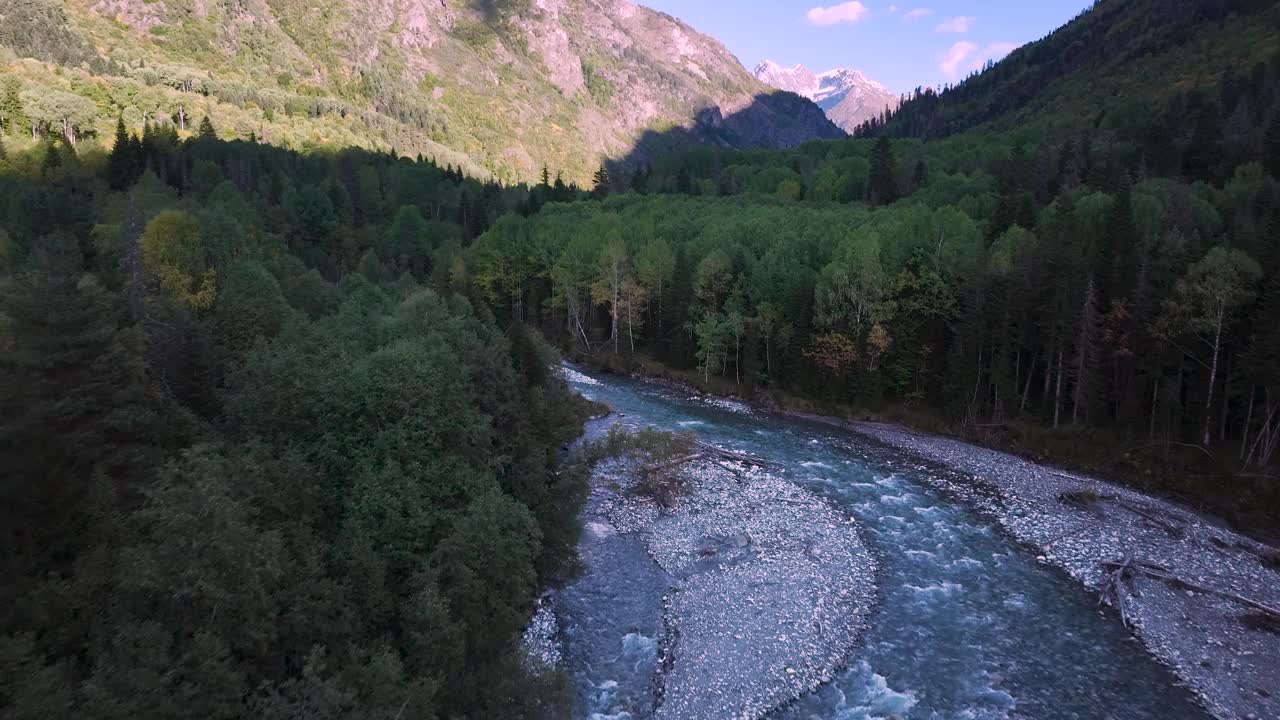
(1203, 305)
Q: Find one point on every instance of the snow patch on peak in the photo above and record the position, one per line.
(847, 96)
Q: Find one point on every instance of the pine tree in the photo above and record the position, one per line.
(121, 165)
(920, 176)
(546, 177)
(52, 158)
(1121, 245)
(600, 182)
(79, 426)
(206, 129)
(12, 116)
(883, 183)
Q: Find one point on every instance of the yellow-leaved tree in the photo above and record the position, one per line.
(175, 257)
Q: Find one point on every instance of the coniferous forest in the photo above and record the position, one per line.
(281, 432)
(263, 455)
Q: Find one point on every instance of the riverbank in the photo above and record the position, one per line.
(1185, 600)
(1187, 474)
(1192, 619)
(746, 593)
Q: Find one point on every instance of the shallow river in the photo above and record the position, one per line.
(967, 624)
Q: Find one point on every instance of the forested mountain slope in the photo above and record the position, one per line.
(278, 437)
(498, 87)
(1096, 286)
(1103, 69)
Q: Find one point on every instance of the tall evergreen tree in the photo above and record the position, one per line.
(206, 131)
(600, 182)
(80, 428)
(122, 166)
(883, 181)
(12, 117)
(1120, 242)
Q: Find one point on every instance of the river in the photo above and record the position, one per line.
(966, 625)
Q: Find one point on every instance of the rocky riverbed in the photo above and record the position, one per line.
(1225, 649)
(745, 594)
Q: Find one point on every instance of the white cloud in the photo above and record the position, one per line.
(993, 52)
(952, 59)
(959, 24)
(914, 15)
(849, 12)
(968, 57)
(893, 9)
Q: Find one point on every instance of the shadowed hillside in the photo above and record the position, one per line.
(500, 88)
(1111, 59)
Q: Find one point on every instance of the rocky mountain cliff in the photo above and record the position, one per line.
(497, 86)
(848, 97)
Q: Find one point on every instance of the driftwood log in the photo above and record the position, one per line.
(1119, 576)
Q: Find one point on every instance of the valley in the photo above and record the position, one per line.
(537, 359)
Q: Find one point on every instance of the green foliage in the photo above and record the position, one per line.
(883, 181)
(372, 498)
(174, 255)
(601, 182)
(64, 113)
(13, 118)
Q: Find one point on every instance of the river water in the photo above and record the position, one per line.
(967, 624)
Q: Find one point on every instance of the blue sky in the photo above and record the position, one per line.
(901, 44)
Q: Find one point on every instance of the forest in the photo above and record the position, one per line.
(281, 433)
(1106, 297)
(263, 453)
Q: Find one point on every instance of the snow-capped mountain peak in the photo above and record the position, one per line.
(797, 79)
(848, 96)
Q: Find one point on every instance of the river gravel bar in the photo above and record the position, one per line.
(770, 587)
(1214, 643)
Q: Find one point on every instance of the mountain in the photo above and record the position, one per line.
(499, 87)
(1105, 68)
(848, 97)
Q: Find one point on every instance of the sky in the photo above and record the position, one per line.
(901, 45)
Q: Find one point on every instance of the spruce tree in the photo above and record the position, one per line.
(920, 176)
(80, 428)
(546, 177)
(12, 116)
(52, 159)
(121, 164)
(1120, 241)
(600, 182)
(883, 183)
(206, 129)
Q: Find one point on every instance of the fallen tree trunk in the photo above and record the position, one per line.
(1126, 568)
